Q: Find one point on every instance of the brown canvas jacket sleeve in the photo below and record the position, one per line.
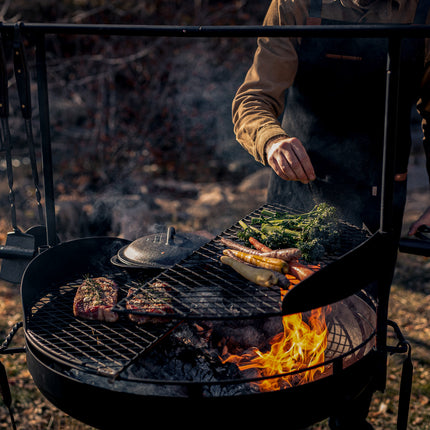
(260, 99)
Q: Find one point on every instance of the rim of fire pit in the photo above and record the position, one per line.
(107, 348)
(104, 354)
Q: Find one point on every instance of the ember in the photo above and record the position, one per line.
(301, 345)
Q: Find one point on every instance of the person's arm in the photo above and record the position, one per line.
(424, 110)
(259, 101)
(423, 107)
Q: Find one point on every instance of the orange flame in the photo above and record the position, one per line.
(299, 346)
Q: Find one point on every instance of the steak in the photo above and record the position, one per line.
(95, 298)
(152, 299)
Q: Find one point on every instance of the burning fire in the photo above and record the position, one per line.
(299, 346)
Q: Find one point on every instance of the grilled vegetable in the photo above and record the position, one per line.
(299, 271)
(238, 247)
(258, 245)
(283, 281)
(314, 232)
(286, 254)
(283, 254)
(265, 262)
(257, 275)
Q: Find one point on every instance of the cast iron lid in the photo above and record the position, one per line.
(160, 250)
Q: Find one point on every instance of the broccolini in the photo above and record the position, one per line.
(314, 233)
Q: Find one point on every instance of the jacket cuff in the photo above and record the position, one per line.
(264, 137)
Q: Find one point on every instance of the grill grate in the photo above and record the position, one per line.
(98, 347)
(200, 287)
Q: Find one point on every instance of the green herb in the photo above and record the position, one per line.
(94, 290)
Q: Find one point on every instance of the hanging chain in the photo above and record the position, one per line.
(6, 145)
(23, 83)
(9, 168)
(32, 155)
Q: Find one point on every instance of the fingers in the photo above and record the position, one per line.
(305, 171)
(290, 161)
(413, 228)
(424, 219)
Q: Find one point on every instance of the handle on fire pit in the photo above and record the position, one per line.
(5, 393)
(4, 383)
(4, 348)
(403, 346)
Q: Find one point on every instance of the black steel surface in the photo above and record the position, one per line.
(107, 349)
(93, 398)
(362, 30)
(419, 244)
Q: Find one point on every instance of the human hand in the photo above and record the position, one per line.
(289, 160)
(424, 219)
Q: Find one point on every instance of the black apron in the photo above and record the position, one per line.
(336, 108)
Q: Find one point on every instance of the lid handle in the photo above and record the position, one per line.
(170, 236)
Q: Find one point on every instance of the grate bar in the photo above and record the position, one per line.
(98, 347)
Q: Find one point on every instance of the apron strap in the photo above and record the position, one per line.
(314, 17)
(422, 11)
(315, 9)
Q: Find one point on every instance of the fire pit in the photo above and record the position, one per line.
(225, 344)
(215, 348)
